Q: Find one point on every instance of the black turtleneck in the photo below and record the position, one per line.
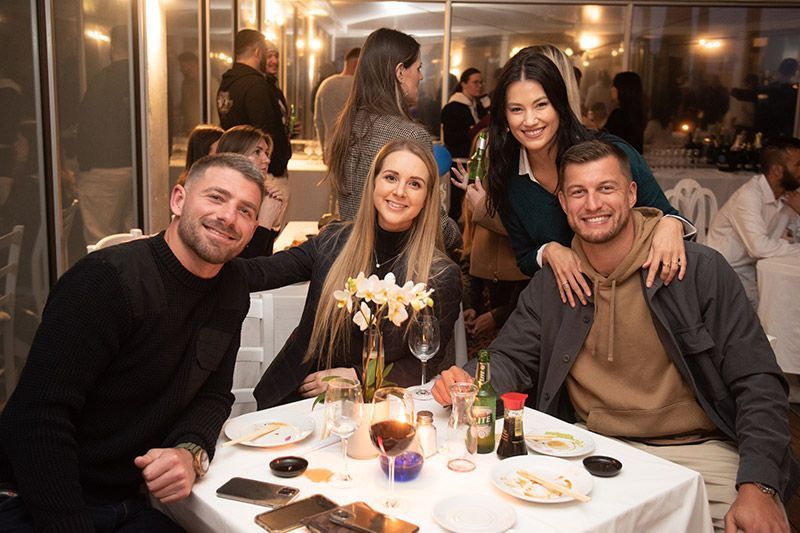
(388, 247)
(133, 352)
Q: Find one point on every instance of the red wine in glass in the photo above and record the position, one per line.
(391, 437)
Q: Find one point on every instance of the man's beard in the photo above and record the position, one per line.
(190, 231)
(789, 181)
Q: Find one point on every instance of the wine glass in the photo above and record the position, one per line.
(423, 341)
(391, 431)
(343, 405)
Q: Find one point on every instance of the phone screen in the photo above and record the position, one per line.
(257, 492)
(289, 516)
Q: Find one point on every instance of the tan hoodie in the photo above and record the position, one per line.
(623, 383)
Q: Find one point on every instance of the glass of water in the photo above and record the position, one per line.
(343, 407)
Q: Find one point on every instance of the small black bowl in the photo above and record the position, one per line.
(288, 466)
(602, 466)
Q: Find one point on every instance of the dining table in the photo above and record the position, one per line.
(779, 307)
(649, 493)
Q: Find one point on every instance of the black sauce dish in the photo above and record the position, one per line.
(602, 466)
(288, 466)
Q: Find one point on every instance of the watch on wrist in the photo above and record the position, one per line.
(200, 457)
(765, 488)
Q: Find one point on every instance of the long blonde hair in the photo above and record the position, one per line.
(332, 325)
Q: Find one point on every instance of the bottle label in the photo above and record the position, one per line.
(518, 426)
(483, 421)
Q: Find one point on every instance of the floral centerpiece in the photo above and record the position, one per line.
(372, 300)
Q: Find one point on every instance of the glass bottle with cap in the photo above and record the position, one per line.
(426, 433)
(512, 441)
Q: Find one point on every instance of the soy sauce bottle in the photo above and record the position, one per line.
(512, 442)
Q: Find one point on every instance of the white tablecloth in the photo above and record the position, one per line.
(295, 230)
(650, 494)
(722, 184)
(779, 307)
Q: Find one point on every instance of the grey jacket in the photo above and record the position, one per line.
(710, 332)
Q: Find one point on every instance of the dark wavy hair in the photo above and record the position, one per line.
(465, 79)
(526, 65)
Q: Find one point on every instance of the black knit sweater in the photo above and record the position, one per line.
(134, 352)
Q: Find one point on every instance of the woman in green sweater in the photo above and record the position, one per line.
(532, 125)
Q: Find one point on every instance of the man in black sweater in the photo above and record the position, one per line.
(129, 376)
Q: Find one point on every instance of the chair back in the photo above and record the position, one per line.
(696, 203)
(10, 246)
(116, 238)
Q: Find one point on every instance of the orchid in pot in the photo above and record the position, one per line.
(372, 300)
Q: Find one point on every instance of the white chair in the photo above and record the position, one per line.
(249, 360)
(460, 338)
(116, 238)
(697, 203)
(12, 242)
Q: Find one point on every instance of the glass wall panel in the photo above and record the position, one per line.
(21, 185)
(183, 64)
(95, 121)
(592, 35)
(221, 34)
(248, 15)
(716, 71)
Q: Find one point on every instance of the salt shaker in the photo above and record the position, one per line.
(426, 433)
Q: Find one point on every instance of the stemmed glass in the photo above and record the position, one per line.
(423, 341)
(343, 405)
(392, 431)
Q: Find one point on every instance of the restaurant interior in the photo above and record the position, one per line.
(691, 57)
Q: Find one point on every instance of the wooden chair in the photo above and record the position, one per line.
(11, 242)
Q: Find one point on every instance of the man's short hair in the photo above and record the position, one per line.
(774, 152)
(246, 39)
(588, 151)
(353, 54)
(237, 162)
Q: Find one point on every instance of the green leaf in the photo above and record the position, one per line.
(371, 372)
(319, 399)
(387, 369)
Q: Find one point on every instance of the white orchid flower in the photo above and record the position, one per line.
(344, 299)
(369, 288)
(363, 318)
(397, 313)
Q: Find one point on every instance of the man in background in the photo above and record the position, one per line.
(105, 179)
(249, 94)
(190, 91)
(752, 223)
(331, 97)
(129, 376)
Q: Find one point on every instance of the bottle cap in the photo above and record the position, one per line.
(424, 417)
(483, 356)
(513, 400)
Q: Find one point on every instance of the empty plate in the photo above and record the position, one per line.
(474, 513)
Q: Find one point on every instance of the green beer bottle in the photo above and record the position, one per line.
(484, 409)
(477, 162)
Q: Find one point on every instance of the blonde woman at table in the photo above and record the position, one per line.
(532, 126)
(257, 146)
(395, 230)
(385, 85)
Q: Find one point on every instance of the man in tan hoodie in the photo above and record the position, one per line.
(682, 371)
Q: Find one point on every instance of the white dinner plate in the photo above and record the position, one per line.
(569, 442)
(296, 428)
(479, 513)
(559, 471)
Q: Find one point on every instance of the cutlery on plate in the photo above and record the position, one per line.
(266, 430)
(553, 487)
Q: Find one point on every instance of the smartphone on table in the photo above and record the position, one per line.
(357, 516)
(290, 516)
(257, 492)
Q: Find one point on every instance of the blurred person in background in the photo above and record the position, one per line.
(627, 121)
(463, 111)
(257, 146)
(202, 141)
(190, 91)
(331, 98)
(386, 82)
(105, 178)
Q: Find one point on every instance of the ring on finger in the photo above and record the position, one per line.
(565, 283)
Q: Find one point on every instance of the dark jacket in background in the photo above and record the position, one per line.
(246, 96)
(628, 127)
